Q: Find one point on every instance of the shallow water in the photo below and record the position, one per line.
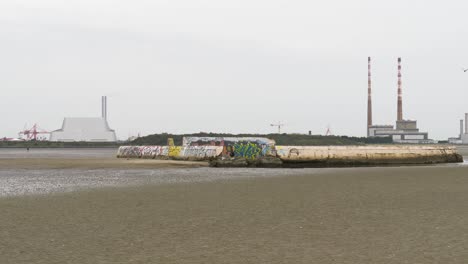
(409, 214)
(15, 153)
(463, 150)
(24, 182)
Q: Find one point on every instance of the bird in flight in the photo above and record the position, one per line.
(464, 69)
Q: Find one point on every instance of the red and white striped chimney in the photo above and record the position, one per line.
(369, 95)
(400, 100)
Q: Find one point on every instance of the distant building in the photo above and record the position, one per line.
(85, 129)
(405, 131)
(463, 136)
(464, 139)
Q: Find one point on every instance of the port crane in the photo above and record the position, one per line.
(278, 125)
(32, 133)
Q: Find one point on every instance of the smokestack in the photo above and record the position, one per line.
(369, 95)
(104, 107)
(466, 123)
(400, 100)
(461, 128)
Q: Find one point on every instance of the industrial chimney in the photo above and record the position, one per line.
(466, 123)
(369, 95)
(104, 107)
(400, 103)
(461, 128)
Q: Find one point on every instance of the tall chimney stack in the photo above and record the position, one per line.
(400, 103)
(369, 95)
(104, 107)
(461, 128)
(466, 123)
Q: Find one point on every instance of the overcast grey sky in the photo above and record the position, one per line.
(232, 66)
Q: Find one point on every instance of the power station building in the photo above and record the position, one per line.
(85, 129)
(404, 131)
(463, 136)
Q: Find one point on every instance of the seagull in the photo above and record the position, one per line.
(464, 69)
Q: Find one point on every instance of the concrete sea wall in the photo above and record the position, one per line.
(366, 155)
(170, 152)
(200, 148)
(240, 147)
(300, 156)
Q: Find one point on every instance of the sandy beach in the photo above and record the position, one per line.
(96, 163)
(82, 159)
(346, 215)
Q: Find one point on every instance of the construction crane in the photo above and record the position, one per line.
(279, 125)
(31, 134)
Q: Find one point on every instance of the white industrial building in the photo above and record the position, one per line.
(406, 131)
(85, 129)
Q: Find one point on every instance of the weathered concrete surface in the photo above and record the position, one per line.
(262, 162)
(229, 162)
(239, 147)
(301, 156)
(170, 152)
(316, 156)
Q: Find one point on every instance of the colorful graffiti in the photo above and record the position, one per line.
(174, 151)
(247, 147)
(203, 148)
(152, 152)
(146, 152)
(247, 150)
(128, 152)
(201, 151)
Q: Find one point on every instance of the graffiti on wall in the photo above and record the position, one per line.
(247, 150)
(247, 147)
(204, 147)
(286, 151)
(151, 152)
(127, 152)
(201, 151)
(148, 152)
(174, 151)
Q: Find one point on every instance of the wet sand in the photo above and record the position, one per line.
(95, 163)
(84, 206)
(82, 159)
(353, 215)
